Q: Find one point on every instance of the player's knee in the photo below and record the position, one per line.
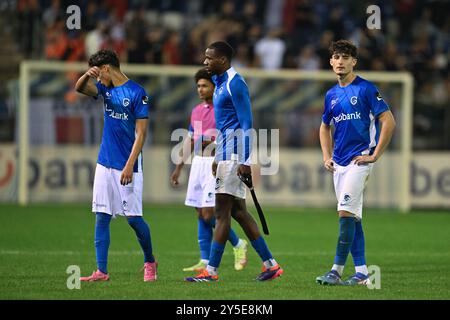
(134, 221)
(222, 218)
(207, 214)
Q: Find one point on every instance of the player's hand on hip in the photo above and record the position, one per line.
(93, 72)
(174, 178)
(214, 168)
(127, 175)
(364, 160)
(329, 165)
(244, 170)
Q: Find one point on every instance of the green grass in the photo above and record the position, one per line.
(39, 242)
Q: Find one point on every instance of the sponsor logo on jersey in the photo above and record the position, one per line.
(144, 100)
(108, 95)
(116, 115)
(333, 103)
(347, 116)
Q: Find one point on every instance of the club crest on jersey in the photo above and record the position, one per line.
(345, 200)
(108, 95)
(354, 100)
(125, 102)
(144, 100)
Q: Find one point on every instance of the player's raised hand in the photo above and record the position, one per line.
(329, 165)
(127, 175)
(93, 72)
(364, 160)
(174, 178)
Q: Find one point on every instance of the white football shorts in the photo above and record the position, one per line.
(200, 190)
(349, 184)
(227, 180)
(110, 197)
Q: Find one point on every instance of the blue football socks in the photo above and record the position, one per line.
(216, 254)
(345, 240)
(358, 250)
(262, 249)
(102, 240)
(143, 234)
(205, 235)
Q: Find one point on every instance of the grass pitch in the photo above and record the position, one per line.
(39, 242)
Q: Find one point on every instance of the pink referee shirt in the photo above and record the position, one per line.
(203, 123)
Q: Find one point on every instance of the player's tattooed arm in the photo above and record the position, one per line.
(326, 143)
(388, 124)
(85, 86)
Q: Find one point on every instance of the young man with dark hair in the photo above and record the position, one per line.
(234, 122)
(200, 192)
(118, 181)
(363, 128)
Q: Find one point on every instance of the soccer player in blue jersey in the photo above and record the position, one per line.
(118, 181)
(200, 191)
(363, 128)
(234, 122)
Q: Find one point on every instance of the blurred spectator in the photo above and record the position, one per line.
(95, 38)
(241, 58)
(171, 51)
(336, 22)
(56, 41)
(53, 13)
(308, 60)
(274, 14)
(300, 20)
(414, 37)
(135, 31)
(270, 50)
(323, 51)
(154, 46)
(29, 22)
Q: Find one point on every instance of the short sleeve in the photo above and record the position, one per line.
(375, 100)
(142, 105)
(327, 116)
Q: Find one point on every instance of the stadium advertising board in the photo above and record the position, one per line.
(66, 173)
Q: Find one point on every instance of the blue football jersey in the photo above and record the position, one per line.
(122, 106)
(354, 111)
(234, 121)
